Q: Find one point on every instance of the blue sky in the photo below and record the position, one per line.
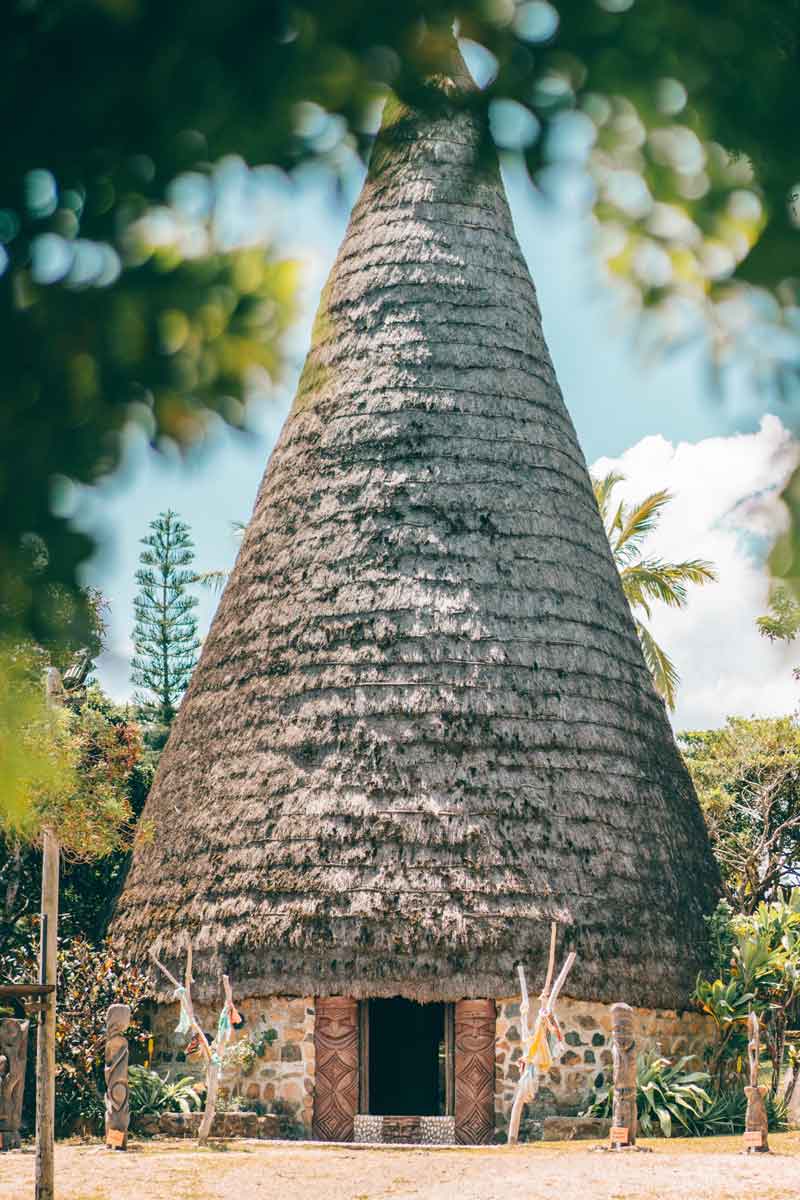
(616, 395)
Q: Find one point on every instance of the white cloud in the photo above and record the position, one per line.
(726, 509)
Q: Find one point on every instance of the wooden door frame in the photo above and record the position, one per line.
(449, 1057)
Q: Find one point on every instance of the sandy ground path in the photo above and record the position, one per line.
(691, 1169)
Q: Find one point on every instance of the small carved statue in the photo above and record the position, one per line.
(756, 1121)
(623, 1049)
(13, 1057)
(118, 1113)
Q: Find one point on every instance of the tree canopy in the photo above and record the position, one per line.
(123, 302)
(165, 630)
(747, 776)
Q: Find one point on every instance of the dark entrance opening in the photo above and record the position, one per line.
(407, 1058)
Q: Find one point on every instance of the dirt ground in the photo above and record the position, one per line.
(690, 1169)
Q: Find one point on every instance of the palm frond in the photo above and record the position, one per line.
(602, 492)
(653, 579)
(639, 520)
(660, 665)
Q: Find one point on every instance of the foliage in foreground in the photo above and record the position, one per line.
(647, 581)
(673, 1099)
(126, 298)
(90, 978)
(67, 766)
(747, 777)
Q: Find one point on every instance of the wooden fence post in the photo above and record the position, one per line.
(46, 1033)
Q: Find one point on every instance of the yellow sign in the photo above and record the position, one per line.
(619, 1135)
(115, 1138)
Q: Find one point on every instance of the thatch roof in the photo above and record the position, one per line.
(421, 725)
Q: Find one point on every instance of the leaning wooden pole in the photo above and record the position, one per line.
(46, 1033)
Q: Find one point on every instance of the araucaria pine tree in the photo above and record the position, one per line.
(165, 629)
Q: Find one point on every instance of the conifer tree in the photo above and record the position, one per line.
(165, 629)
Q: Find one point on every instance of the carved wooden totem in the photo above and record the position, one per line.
(623, 1049)
(475, 1040)
(756, 1121)
(13, 1057)
(118, 1112)
(336, 1083)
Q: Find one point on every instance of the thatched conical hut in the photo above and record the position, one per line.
(421, 726)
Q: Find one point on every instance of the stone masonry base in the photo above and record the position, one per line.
(586, 1066)
(275, 1071)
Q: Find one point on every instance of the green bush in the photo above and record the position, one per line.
(726, 1114)
(666, 1094)
(90, 978)
(151, 1094)
(669, 1095)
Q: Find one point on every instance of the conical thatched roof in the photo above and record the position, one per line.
(421, 725)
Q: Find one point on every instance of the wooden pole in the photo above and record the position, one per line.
(46, 1039)
(46, 1033)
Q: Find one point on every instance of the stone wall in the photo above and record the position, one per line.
(585, 1066)
(280, 1076)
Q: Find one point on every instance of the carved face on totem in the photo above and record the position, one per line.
(118, 1018)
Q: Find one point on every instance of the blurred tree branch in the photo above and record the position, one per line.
(685, 119)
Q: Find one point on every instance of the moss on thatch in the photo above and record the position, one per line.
(421, 726)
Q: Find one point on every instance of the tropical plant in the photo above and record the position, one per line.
(727, 1111)
(646, 581)
(165, 629)
(667, 1094)
(762, 975)
(152, 1094)
(747, 777)
(243, 1054)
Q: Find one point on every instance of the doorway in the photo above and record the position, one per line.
(406, 1058)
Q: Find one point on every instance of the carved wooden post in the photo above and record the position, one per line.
(623, 1048)
(475, 1041)
(756, 1122)
(336, 1076)
(118, 1112)
(13, 1057)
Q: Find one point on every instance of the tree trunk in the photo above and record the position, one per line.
(212, 1087)
(13, 878)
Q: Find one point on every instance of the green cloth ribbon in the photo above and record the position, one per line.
(184, 1023)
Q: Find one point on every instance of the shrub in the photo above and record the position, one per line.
(90, 978)
(151, 1094)
(666, 1093)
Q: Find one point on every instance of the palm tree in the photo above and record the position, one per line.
(645, 580)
